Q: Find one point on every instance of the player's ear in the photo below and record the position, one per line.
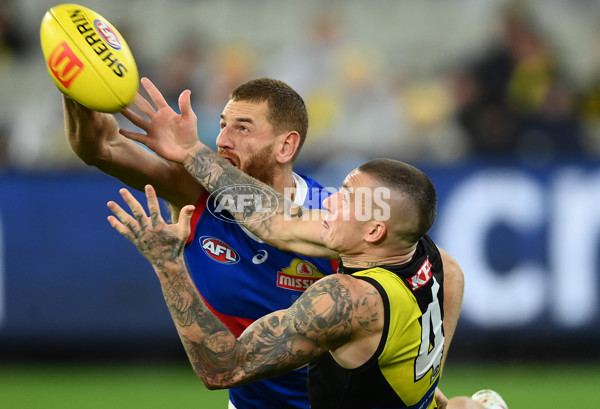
(377, 232)
(288, 146)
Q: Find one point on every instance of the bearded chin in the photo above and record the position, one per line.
(261, 166)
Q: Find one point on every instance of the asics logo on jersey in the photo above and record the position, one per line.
(260, 257)
(298, 276)
(422, 277)
(218, 250)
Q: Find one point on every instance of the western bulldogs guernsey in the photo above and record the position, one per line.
(241, 279)
(405, 369)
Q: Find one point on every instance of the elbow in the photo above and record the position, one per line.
(222, 380)
(212, 386)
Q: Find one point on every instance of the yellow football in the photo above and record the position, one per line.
(88, 59)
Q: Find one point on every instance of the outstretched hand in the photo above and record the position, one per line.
(440, 399)
(171, 135)
(157, 240)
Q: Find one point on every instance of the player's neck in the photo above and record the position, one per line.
(284, 183)
(377, 257)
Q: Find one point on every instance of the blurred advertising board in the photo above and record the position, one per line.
(526, 236)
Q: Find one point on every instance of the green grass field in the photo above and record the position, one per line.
(534, 386)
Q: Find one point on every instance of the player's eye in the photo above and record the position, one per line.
(345, 195)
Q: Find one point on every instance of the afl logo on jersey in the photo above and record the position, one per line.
(218, 250)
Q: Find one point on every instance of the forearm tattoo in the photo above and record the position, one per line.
(321, 319)
(215, 173)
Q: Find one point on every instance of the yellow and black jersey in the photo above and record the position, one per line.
(404, 371)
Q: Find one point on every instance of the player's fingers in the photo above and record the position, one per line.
(153, 205)
(135, 119)
(154, 93)
(144, 105)
(70, 103)
(440, 398)
(185, 104)
(128, 223)
(134, 136)
(121, 228)
(136, 208)
(185, 218)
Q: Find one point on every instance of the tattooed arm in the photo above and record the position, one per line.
(291, 227)
(325, 317)
(94, 137)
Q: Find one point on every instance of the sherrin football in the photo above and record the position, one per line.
(88, 59)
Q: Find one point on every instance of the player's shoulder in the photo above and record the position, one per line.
(348, 294)
(346, 285)
(333, 284)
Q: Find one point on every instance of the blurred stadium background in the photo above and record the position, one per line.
(499, 102)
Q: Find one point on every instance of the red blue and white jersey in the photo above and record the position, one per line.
(241, 278)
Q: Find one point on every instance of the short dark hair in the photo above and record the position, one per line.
(412, 183)
(287, 111)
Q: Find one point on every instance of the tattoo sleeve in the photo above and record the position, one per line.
(321, 319)
(215, 173)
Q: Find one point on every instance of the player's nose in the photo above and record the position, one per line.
(224, 140)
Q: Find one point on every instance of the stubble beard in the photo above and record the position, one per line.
(261, 166)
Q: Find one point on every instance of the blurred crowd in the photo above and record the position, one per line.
(512, 93)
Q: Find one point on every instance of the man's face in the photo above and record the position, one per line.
(344, 224)
(247, 140)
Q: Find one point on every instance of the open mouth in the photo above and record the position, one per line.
(228, 160)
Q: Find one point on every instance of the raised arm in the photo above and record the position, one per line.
(290, 228)
(454, 286)
(320, 320)
(95, 138)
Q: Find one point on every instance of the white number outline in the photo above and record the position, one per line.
(431, 324)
